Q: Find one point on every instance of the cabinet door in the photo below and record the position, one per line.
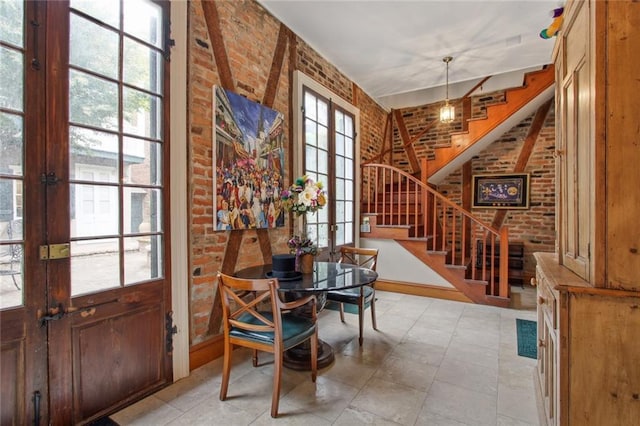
(576, 149)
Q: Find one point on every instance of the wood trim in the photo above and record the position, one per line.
(205, 352)
(425, 290)
(217, 44)
(276, 67)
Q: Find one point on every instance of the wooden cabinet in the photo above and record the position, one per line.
(588, 369)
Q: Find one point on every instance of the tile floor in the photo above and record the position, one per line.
(432, 362)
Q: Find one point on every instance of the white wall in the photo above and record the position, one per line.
(395, 263)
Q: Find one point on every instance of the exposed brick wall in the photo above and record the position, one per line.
(535, 226)
(250, 36)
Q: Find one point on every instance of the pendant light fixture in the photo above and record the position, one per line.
(447, 112)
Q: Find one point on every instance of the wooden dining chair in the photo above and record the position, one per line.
(363, 296)
(254, 317)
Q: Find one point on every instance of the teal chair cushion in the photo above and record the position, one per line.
(350, 295)
(294, 329)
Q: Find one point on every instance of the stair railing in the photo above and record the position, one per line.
(399, 199)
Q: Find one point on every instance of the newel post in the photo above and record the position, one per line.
(504, 262)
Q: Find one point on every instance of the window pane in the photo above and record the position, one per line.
(323, 113)
(340, 235)
(11, 271)
(95, 265)
(310, 106)
(323, 137)
(348, 233)
(348, 147)
(94, 208)
(142, 66)
(339, 122)
(340, 167)
(348, 211)
(105, 11)
(142, 261)
(92, 101)
(142, 210)
(310, 159)
(91, 148)
(348, 168)
(310, 132)
(348, 126)
(142, 114)
(93, 47)
(348, 190)
(142, 162)
(11, 70)
(339, 144)
(143, 19)
(323, 162)
(11, 22)
(339, 189)
(339, 211)
(11, 145)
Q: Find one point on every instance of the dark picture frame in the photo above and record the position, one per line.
(501, 191)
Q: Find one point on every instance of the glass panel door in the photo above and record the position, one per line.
(329, 157)
(116, 144)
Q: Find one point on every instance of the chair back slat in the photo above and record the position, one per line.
(365, 257)
(247, 296)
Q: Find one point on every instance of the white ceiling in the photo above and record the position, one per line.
(393, 49)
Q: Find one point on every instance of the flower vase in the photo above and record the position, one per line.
(305, 263)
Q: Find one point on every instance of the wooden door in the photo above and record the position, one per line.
(96, 298)
(23, 344)
(576, 149)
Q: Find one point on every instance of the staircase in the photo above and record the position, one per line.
(438, 232)
(519, 103)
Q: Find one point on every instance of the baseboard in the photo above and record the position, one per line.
(424, 290)
(205, 352)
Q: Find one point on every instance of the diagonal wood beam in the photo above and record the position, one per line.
(217, 44)
(276, 67)
(408, 146)
(525, 152)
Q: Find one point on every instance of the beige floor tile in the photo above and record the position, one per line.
(406, 372)
(460, 404)
(391, 401)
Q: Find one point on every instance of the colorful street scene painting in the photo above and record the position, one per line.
(248, 153)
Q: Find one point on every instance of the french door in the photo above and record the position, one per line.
(330, 158)
(84, 294)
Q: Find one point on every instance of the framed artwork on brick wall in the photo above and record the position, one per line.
(504, 191)
(248, 156)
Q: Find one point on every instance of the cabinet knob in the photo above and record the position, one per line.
(541, 343)
(534, 282)
(541, 300)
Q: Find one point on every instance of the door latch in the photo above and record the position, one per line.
(54, 314)
(55, 251)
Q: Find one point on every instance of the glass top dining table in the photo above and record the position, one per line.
(326, 276)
